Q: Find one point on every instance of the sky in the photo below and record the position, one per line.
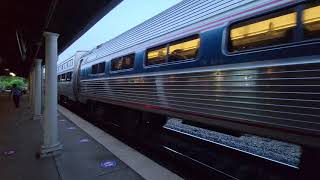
(128, 14)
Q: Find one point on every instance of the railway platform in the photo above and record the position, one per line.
(88, 152)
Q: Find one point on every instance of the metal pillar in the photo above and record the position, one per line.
(51, 145)
(30, 88)
(42, 90)
(33, 86)
(37, 90)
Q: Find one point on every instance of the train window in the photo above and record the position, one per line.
(69, 76)
(128, 61)
(116, 64)
(156, 55)
(94, 69)
(184, 49)
(101, 67)
(311, 22)
(63, 77)
(125, 62)
(98, 68)
(269, 30)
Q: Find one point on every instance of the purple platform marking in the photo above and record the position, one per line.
(108, 164)
(84, 140)
(9, 153)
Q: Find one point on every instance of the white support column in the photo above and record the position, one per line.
(30, 87)
(37, 115)
(33, 88)
(51, 145)
(42, 90)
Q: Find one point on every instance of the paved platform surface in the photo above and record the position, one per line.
(20, 139)
(82, 158)
(88, 154)
(141, 164)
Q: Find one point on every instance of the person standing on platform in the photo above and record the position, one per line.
(16, 93)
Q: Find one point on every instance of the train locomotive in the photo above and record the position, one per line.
(250, 66)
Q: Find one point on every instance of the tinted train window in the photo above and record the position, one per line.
(184, 49)
(116, 64)
(69, 76)
(63, 77)
(101, 67)
(156, 55)
(94, 69)
(98, 68)
(311, 21)
(125, 62)
(269, 30)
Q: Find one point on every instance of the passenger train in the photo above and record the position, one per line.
(250, 66)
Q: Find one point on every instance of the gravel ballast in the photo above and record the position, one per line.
(272, 149)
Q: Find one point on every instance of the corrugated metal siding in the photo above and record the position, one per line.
(65, 89)
(66, 67)
(285, 97)
(184, 14)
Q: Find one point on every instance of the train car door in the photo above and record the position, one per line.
(76, 82)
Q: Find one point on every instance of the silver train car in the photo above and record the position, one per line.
(250, 66)
(66, 83)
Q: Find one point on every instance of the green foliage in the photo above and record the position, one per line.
(6, 82)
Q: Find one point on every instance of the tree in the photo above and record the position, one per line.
(6, 82)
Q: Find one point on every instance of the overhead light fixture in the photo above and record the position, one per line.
(6, 69)
(12, 74)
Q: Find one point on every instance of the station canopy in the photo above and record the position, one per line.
(23, 22)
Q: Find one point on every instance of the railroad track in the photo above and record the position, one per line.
(196, 158)
(226, 162)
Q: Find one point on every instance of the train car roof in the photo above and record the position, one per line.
(182, 15)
